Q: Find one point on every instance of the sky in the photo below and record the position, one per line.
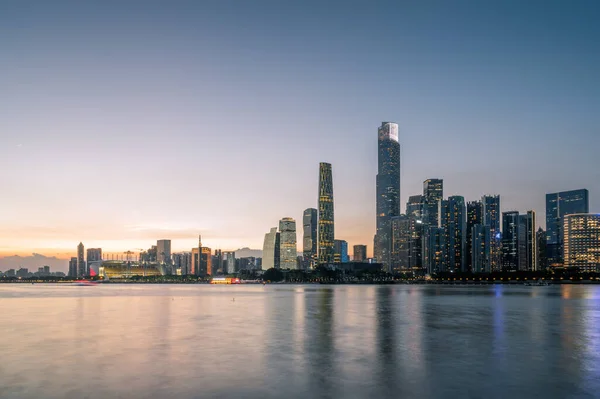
(124, 122)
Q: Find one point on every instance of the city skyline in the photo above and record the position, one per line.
(84, 109)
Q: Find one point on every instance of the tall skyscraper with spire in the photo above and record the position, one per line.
(388, 190)
(326, 226)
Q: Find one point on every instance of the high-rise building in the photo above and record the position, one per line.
(388, 190)
(182, 263)
(326, 221)
(540, 236)
(359, 253)
(217, 262)
(528, 223)
(491, 218)
(206, 261)
(434, 249)
(270, 257)
(558, 205)
(287, 243)
(81, 266)
(163, 252)
(433, 193)
(480, 252)
(453, 217)
(406, 251)
(340, 251)
(582, 241)
(310, 222)
(94, 255)
(510, 241)
(201, 260)
(474, 217)
(73, 267)
(230, 262)
(414, 206)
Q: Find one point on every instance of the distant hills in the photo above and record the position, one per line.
(247, 252)
(33, 262)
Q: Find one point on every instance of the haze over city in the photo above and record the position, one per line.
(124, 127)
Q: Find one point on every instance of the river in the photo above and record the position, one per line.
(299, 341)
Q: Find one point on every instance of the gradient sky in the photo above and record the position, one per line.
(123, 122)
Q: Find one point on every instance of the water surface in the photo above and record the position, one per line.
(305, 341)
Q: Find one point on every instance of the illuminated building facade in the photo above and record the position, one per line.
(453, 218)
(310, 221)
(480, 251)
(491, 219)
(326, 231)
(434, 249)
(201, 262)
(433, 193)
(582, 241)
(414, 206)
(474, 217)
(510, 240)
(406, 250)
(287, 244)
(387, 190)
(558, 205)
(528, 247)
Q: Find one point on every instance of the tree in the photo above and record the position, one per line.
(273, 275)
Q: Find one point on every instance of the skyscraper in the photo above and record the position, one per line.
(340, 251)
(406, 251)
(81, 267)
(474, 217)
(582, 241)
(434, 249)
(453, 216)
(491, 218)
(388, 190)
(230, 263)
(73, 267)
(270, 257)
(480, 252)
(163, 252)
(201, 260)
(540, 236)
(360, 253)
(287, 244)
(414, 206)
(510, 240)
(310, 223)
(532, 242)
(433, 193)
(558, 205)
(326, 226)
(94, 255)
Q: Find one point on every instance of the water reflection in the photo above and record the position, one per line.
(387, 374)
(300, 342)
(319, 344)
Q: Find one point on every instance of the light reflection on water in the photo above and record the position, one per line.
(151, 341)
